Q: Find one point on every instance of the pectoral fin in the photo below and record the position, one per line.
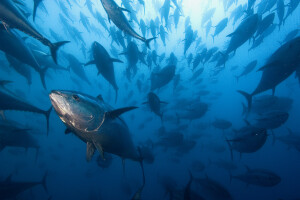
(90, 63)
(124, 9)
(90, 150)
(67, 131)
(116, 60)
(116, 113)
(100, 149)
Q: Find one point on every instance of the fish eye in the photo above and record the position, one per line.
(75, 97)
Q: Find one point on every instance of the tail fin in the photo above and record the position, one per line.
(244, 109)
(148, 41)
(35, 5)
(47, 115)
(42, 73)
(248, 97)
(54, 48)
(142, 165)
(213, 37)
(43, 182)
(230, 148)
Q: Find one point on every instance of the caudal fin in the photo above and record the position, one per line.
(47, 115)
(147, 42)
(248, 98)
(35, 5)
(142, 165)
(230, 148)
(42, 73)
(54, 48)
(43, 182)
(245, 109)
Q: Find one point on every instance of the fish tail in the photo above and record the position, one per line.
(141, 160)
(42, 73)
(47, 115)
(54, 48)
(248, 98)
(244, 109)
(35, 5)
(230, 148)
(147, 42)
(43, 182)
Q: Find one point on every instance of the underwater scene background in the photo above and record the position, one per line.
(203, 96)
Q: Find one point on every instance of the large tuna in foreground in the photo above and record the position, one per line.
(95, 123)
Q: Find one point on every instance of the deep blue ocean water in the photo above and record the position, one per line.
(63, 156)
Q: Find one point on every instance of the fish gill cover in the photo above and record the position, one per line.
(156, 99)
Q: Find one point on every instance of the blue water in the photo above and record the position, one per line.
(63, 156)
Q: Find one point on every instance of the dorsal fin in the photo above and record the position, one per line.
(116, 113)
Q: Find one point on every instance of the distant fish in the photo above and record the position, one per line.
(13, 18)
(115, 13)
(8, 102)
(154, 104)
(259, 177)
(282, 63)
(10, 189)
(104, 64)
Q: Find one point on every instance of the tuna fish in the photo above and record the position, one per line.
(115, 14)
(11, 16)
(104, 64)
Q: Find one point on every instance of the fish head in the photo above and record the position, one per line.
(78, 111)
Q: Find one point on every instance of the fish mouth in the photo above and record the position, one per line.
(54, 95)
(57, 101)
